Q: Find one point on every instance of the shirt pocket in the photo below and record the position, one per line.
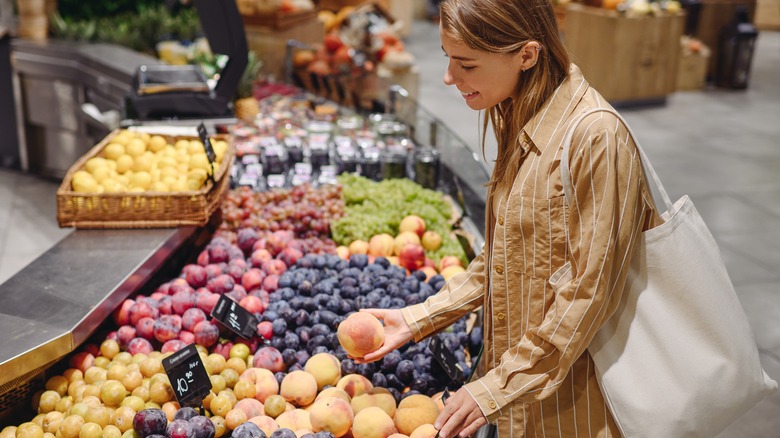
(561, 277)
(536, 237)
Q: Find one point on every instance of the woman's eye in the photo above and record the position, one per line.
(468, 67)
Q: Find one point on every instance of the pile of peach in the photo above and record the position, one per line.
(100, 395)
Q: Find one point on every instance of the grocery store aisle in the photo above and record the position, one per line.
(28, 220)
(720, 147)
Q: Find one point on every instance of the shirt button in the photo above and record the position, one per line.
(499, 269)
(492, 404)
(501, 316)
(501, 220)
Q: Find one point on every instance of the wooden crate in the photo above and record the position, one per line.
(768, 14)
(270, 44)
(713, 16)
(625, 58)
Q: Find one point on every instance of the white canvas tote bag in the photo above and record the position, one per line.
(678, 357)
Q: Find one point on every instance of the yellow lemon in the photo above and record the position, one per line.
(111, 186)
(169, 181)
(111, 164)
(112, 151)
(85, 185)
(158, 186)
(180, 185)
(182, 145)
(124, 163)
(169, 151)
(93, 163)
(123, 180)
(193, 185)
(168, 172)
(195, 147)
(141, 179)
(199, 161)
(135, 147)
(142, 163)
(155, 174)
(101, 173)
(166, 161)
(121, 139)
(81, 175)
(220, 147)
(156, 143)
(145, 136)
(183, 168)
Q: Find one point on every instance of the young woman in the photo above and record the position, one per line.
(553, 268)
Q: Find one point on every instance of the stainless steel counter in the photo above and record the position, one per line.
(54, 304)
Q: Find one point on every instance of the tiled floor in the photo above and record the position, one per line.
(720, 147)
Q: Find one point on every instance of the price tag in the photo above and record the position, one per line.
(239, 320)
(210, 154)
(188, 376)
(446, 359)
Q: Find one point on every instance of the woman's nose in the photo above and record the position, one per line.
(448, 78)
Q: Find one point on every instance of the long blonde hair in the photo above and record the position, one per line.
(505, 26)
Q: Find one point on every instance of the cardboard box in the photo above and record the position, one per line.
(768, 14)
(625, 58)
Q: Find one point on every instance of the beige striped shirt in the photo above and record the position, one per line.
(540, 379)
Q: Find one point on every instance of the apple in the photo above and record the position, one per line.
(449, 261)
(381, 245)
(412, 223)
(412, 256)
(404, 238)
(431, 240)
(358, 247)
(343, 252)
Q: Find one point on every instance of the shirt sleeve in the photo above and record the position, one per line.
(605, 219)
(461, 294)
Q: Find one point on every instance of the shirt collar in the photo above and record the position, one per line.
(553, 114)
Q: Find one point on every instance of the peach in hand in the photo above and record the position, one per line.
(361, 333)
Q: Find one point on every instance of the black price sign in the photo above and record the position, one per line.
(446, 359)
(236, 318)
(210, 154)
(189, 379)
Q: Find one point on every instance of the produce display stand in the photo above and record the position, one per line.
(628, 59)
(54, 304)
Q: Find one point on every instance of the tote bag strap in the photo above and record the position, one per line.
(653, 180)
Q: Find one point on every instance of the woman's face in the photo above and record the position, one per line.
(483, 79)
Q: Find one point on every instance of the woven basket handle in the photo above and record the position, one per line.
(655, 183)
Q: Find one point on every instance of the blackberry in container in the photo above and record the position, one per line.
(319, 155)
(370, 165)
(294, 147)
(275, 160)
(425, 166)
(393, 162)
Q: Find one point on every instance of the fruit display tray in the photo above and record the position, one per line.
(142, 209)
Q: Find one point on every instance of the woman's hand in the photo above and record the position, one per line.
(397, 333)
(461, 416)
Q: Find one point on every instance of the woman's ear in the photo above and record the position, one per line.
(528, 55)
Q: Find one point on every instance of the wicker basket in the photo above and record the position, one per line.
(144, 209)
